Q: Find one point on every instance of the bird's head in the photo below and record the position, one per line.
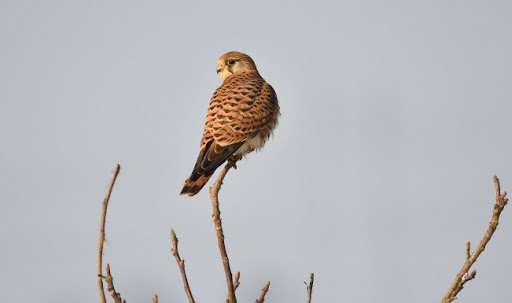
(234, 62)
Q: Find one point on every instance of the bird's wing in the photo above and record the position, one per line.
(240, 108)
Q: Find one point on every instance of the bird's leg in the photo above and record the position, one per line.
(233, 159)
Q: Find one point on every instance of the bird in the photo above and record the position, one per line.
(242, 115)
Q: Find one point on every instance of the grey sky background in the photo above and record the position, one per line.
(395, 117)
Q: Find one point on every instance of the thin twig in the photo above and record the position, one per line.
(237, 280)
(155, 298)
(263, 293)
(181, 265)
(464, 276)
(110, 286)
(310, 286)
(214, 196)
(102, 234)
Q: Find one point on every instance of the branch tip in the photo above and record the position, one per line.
(468, 250)
(102, 234)
(264, 291)
(181, 265)
(237, 280)
(464, 276)
(310, 286)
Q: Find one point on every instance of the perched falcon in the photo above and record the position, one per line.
(242, 115)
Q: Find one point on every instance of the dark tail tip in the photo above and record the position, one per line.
(190, 190)
(194, 184)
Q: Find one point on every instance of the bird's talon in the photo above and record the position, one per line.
(232, 161)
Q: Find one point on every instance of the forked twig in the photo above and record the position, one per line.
(236, 284)
(237, 280)
(464, 276)
(214, 196)
(181, 264)
(102, 234)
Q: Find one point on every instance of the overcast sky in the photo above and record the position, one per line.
(395, 117)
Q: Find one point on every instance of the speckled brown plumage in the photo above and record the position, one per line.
(242, 115)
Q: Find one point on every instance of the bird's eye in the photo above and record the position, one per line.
(231, 62)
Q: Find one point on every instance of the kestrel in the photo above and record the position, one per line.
(242, 115)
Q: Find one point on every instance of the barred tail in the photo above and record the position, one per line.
(211, 156)
(195, 183)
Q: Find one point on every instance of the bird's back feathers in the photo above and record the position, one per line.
(244, 109)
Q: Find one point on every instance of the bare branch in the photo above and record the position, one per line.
(310, 286)
(263, 293)
(181, 265)
(155, 298)
(102, 234)
(110, 286)
(463, 276)
(214, 196)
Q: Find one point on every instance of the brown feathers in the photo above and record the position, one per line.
(242, 114)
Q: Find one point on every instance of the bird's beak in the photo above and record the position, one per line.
(220, 67)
